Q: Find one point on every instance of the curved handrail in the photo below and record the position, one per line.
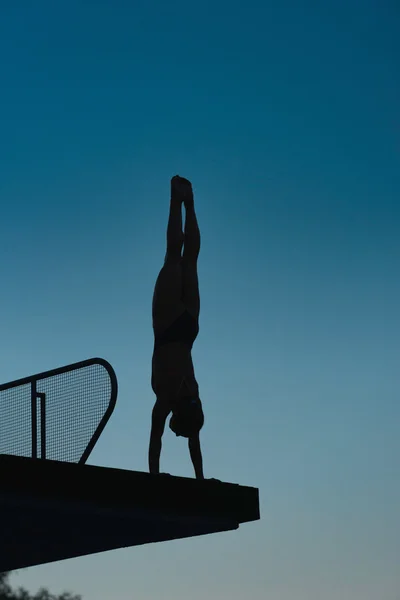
(33, 379)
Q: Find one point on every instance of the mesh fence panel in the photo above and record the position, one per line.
(15, 421)
(75, 402)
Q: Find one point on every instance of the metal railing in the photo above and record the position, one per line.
(58, 414)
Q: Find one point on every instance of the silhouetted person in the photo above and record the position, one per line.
(176, 308)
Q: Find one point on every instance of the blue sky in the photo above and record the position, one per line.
(285, 117)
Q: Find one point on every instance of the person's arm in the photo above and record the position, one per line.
(158, 418)
(195, 455)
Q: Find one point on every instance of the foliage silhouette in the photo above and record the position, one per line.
(7, 593)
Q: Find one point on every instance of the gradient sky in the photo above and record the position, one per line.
(285, 116)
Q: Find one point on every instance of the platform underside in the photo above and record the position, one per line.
(55, 510)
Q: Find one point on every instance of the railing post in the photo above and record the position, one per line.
(42, 397)
(34, 417)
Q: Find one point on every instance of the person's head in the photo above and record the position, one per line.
(187, 418)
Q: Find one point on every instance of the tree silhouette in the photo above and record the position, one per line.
(7, 593)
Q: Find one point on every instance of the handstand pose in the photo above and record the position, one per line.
(176, 308)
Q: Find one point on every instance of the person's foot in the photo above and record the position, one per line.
(181, 189)
(176, 189)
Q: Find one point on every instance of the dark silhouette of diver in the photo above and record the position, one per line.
(176, 308)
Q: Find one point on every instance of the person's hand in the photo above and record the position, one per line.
(181, 189)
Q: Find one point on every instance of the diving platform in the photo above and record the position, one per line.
(54, 506)
(54, 510)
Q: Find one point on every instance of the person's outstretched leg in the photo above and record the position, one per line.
(167, 298)
(191, 250)
(175, 235)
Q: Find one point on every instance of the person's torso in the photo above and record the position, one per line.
(183, 330)
(171, 364)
